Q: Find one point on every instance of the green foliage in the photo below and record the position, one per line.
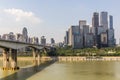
(68, 51)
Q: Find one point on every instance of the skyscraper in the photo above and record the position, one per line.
(75, 38)
(111, 39)
(95, 19)
(97, 35)
(25, 34)
(104, 20)
(85, 32)
(67, 38)
(43, 40)
(111, 21)
(95, 25)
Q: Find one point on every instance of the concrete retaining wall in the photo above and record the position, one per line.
(89, 58)
(71, 58)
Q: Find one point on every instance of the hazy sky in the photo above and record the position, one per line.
(52, 18)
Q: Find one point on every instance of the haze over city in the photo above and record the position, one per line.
(52, 18)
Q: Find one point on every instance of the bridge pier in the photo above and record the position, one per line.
(5, 59)
(36, 57)
(13, 61)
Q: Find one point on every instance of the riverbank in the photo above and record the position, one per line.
(31, 58)
(77, 59)
(71, 58)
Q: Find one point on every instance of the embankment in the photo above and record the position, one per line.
(72, 58)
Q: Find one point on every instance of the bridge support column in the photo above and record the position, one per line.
(13, 53)
(34, 56)
(38, 58)
(5, 59)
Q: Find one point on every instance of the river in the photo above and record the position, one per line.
(84, 70)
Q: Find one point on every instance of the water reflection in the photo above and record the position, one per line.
(86, 70)
(24, 72)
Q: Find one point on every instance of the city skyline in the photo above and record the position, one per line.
(52, 18)
(99, 35)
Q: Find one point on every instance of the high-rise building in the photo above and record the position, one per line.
(25, 34)
(77, 41)
(65, 42)
(43, 40)
(104, 20)
(73, 30)
(19, 37)
(91, 29)
(96, 35)
(81, 23)
(67, 38)
(70, 36)
(100, 30)
(52, 41)
(34, 40)
(85, 29)
(75, 38)
(11, 36)
(104, 39)
(88, 40)
(85, 32)
(111, 39)
(95, 19)
(111, 21)
(95, 25)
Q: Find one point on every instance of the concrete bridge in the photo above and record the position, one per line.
(10, 50)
